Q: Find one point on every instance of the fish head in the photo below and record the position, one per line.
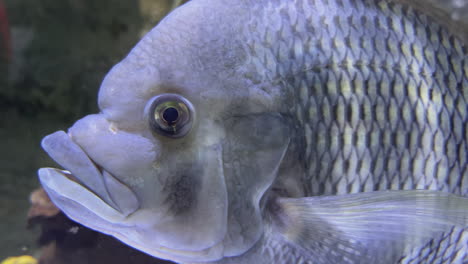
(185, 145)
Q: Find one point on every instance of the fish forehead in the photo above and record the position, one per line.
(193, 52)
(379, 89)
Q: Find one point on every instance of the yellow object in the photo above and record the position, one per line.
(20, 260)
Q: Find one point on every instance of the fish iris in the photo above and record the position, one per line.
(170, 115)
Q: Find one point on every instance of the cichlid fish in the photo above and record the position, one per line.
(278, 131)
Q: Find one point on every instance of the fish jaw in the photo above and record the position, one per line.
(62, 188)
(83, 206)
(93, 191)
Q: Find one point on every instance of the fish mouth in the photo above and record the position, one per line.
(81, 170)
(68, 175)
(92, 196)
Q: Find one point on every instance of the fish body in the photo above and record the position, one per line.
(278, 131)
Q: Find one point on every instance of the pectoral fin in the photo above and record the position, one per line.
(368, 227)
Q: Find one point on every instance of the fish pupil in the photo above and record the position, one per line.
(171, 115)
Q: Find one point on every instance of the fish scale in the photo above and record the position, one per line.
(374, 86)
(306, 128)
(406, 131)
(449, 248)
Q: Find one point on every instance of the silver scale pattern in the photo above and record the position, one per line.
(451, 247)
(381, 92)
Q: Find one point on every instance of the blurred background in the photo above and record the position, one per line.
(53, 56)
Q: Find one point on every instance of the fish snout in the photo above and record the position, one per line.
(83, 174)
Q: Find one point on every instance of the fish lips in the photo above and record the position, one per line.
(82, 171)
(83, 192)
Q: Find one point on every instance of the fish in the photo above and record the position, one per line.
(278, 131)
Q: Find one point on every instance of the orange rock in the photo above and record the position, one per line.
(41, 205)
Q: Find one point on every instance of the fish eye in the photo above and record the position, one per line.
(171, 115)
